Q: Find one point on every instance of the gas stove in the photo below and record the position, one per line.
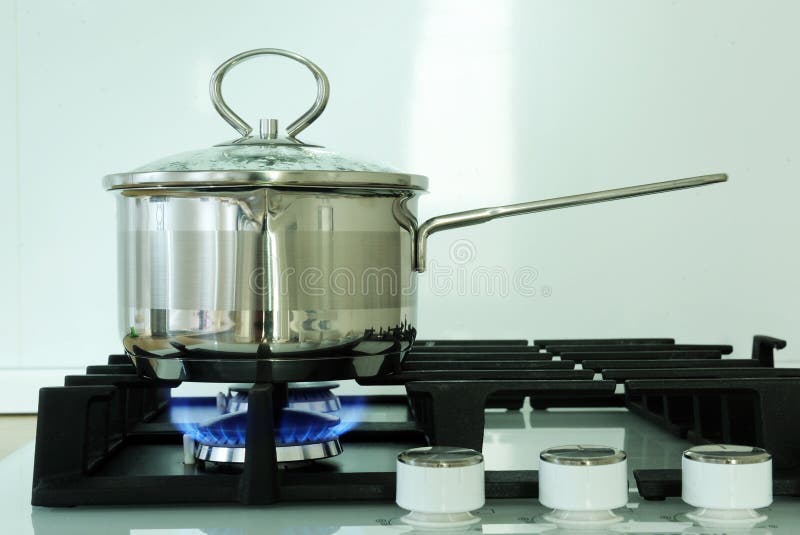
(324, 457)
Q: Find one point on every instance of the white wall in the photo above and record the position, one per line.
(496, 102)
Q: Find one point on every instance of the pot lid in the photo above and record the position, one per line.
(265, 157)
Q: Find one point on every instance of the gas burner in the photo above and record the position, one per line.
(234, 455)
(314, 396)
(299, 436)
(306, 396)
(234, 401)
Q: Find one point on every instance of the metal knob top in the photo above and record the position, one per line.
(440, 457)
(267, 126)
(727, 454)
(583, 455)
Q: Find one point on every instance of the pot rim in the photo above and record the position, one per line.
(239, 178)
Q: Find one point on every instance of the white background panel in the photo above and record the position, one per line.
(496, 102)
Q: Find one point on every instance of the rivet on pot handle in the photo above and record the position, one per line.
(241, 126)
(481, 215)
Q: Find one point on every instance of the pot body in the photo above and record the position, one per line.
(266, 283)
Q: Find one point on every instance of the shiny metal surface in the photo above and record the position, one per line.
(482, 215)
(263, 272)
(310, 396)
(232, 402)
(241, 178)
(328, 404)
(285, 454)
(583, 455)
(300, 386)
(440, 457)
(268, 128)
(314, 396)
(727, 454)
(241, 126)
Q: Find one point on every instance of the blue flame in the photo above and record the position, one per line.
(303, 427)
(294, 427)
(351, 413)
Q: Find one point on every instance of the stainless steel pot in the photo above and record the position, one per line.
(269, 259)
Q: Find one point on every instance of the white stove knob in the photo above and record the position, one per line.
(440, 486)
(582, 484)
(726, 483)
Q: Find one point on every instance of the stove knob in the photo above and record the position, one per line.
(582, 484)
(727, 484)
(440, 486)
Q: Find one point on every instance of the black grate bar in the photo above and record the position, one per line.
(556, 370)
(415, 356)
(473, 349)
(111, 369)
(599, 365)
(452, 412)
(608, 348)
(579, 356)
(500, 342)
(424, 365)
(296, 486)
(119, 359)
(699, 373)
(602, 341)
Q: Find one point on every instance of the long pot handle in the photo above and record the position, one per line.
(482, 215)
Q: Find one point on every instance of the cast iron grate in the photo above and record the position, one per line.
(742, 404)
(92, 431)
